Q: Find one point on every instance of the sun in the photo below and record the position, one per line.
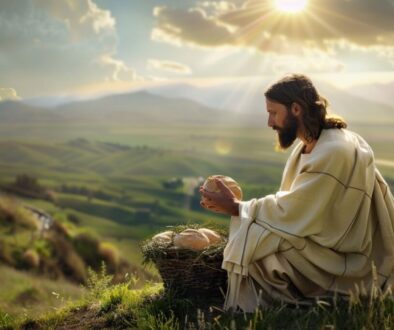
(290, 6)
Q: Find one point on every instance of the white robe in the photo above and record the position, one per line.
(330, 228)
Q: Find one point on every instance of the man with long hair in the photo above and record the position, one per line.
(329, 229)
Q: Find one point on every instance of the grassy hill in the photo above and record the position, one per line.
(107, 163)
(125, 307)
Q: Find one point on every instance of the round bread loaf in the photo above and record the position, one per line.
(164, 238)
(191, 239)
(210, 185)
(213, 236)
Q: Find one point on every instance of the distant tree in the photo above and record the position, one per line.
(73, 218)
(173, 183)
(27, 185)
(25, 181)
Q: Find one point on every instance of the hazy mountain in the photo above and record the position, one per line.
(19, 112)
(243, 95)
(379, 93)
(52, 101)
(178, 104)
(247, 96)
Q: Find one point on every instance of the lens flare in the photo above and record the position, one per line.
(290, 6)
(223, 147)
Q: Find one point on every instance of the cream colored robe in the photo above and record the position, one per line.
(331, 220)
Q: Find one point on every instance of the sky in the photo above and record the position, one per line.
(87, 47)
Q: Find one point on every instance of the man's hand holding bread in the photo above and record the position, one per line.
(221, 194)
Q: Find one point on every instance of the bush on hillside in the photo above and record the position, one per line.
(60, 229)
(68, 259)
(31, 259)
(173, 183)
(110, 254)
(87, 246)
(6, 254)
(43, 248)
(14, 215)
(85, 191)
(28, 186)
(29, 295)
(73, 218)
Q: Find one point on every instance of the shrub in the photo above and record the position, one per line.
(6, 254)
(75, 267)
(6, 321)
(87, 246)
(60, 229)
(31, 259)
(43, 248)
(110, 255)
(29, 295)
(14, 214)
(97, 283)
(76, 220)
(67, 258)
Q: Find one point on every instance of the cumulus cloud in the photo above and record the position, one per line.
(54, 46)
(216, 8)
(121, 71)
(171, 66)
(328, 36)
(258, 24)
(360, 21)
(194, 27)
(82, 17)
(8, 94)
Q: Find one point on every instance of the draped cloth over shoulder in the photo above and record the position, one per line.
(330, 228)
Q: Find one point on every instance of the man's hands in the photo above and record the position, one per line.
(220, 202)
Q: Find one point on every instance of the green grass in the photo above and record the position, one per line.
(123, 306)
(25, 294)
(129, 164)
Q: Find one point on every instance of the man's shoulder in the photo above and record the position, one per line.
(339, 142)
(337, 147)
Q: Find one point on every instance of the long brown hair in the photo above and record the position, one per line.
(298, 88)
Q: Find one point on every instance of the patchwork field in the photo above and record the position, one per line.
(116, 179)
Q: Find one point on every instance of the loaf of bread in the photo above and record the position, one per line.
(191, 239)
(213, 236)
(210, 185)
(164, 238)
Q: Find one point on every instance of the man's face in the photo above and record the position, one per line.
(284, 122)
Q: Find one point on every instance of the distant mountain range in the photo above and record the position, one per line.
(241, 102)
(247, 97)
(379, 93)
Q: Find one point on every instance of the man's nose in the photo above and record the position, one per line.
(270, 122)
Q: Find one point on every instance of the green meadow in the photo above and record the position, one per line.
(115, 179)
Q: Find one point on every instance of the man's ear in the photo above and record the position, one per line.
(296, 109)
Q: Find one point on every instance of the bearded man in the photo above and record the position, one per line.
(328, 230)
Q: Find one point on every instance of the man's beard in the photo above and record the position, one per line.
(288, 133)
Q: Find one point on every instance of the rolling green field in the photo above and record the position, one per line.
(112, 178)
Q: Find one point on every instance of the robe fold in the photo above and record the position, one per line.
(329, 229)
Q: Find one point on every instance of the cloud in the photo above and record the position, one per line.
(170, 66)
(329, 35)
(216, 8)
(8, 94)
(193, 27)
(121, 71)
(356, 57)
(258, 24)
(360, 21)
(82, 17)
(50, 47)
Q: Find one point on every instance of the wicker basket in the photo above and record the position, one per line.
(189, 274)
